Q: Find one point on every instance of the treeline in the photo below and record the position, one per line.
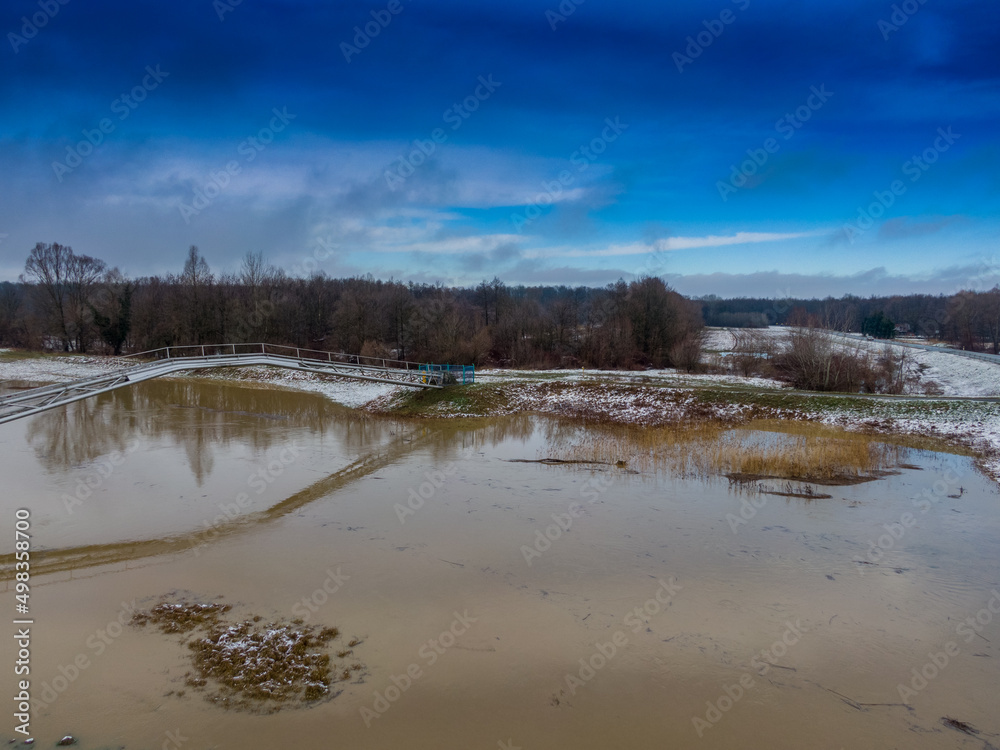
(75, 303)
(969, 319)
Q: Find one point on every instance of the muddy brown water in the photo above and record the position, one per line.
(657, 612)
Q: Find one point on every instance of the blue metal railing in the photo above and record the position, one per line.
(463, 374)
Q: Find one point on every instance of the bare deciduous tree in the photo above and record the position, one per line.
(48, 266)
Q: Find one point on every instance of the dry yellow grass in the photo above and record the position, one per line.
(822, 455)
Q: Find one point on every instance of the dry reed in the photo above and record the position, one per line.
(819, 455)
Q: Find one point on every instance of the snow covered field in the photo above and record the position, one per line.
(950, 374)
(349, 392)
(56, 369)
(937, 372)
(666, 377)
(352, 393)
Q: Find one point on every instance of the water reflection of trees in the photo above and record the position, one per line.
(480, 433)
(200, 418)
(196, 416)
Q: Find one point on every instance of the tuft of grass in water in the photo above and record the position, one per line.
(816, 459)
(271, 662)
(181, 617)
(252, 664)
(811, 453)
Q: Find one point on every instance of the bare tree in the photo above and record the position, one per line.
(48, 266)
(84, 273)
(196, 280)
(753, 349)
(257, 281)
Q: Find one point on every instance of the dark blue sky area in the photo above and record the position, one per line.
(734, 147)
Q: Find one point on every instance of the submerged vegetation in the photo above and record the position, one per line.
(811, 453)
(254, 665)
(677, 407)
(171, 617)
(277, 662)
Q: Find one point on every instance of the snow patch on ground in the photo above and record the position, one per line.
(664, 377)
(718, 340)
(952, 374)
(940, 373)
(974, 425)
(649, 405)
(349, 392)
(58, 369)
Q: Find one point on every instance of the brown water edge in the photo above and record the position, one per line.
(505, 677)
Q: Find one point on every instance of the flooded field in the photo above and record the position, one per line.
(490, 602)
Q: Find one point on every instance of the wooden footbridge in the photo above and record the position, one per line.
(136, 368)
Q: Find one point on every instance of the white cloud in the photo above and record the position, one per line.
(414, 240)
(671, 243)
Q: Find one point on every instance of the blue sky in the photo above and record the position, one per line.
(737, 147)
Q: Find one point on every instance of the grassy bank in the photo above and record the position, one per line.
(828, 437)
(610, 401)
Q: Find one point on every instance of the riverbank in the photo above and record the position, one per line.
(971, 425)
(654, 397)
